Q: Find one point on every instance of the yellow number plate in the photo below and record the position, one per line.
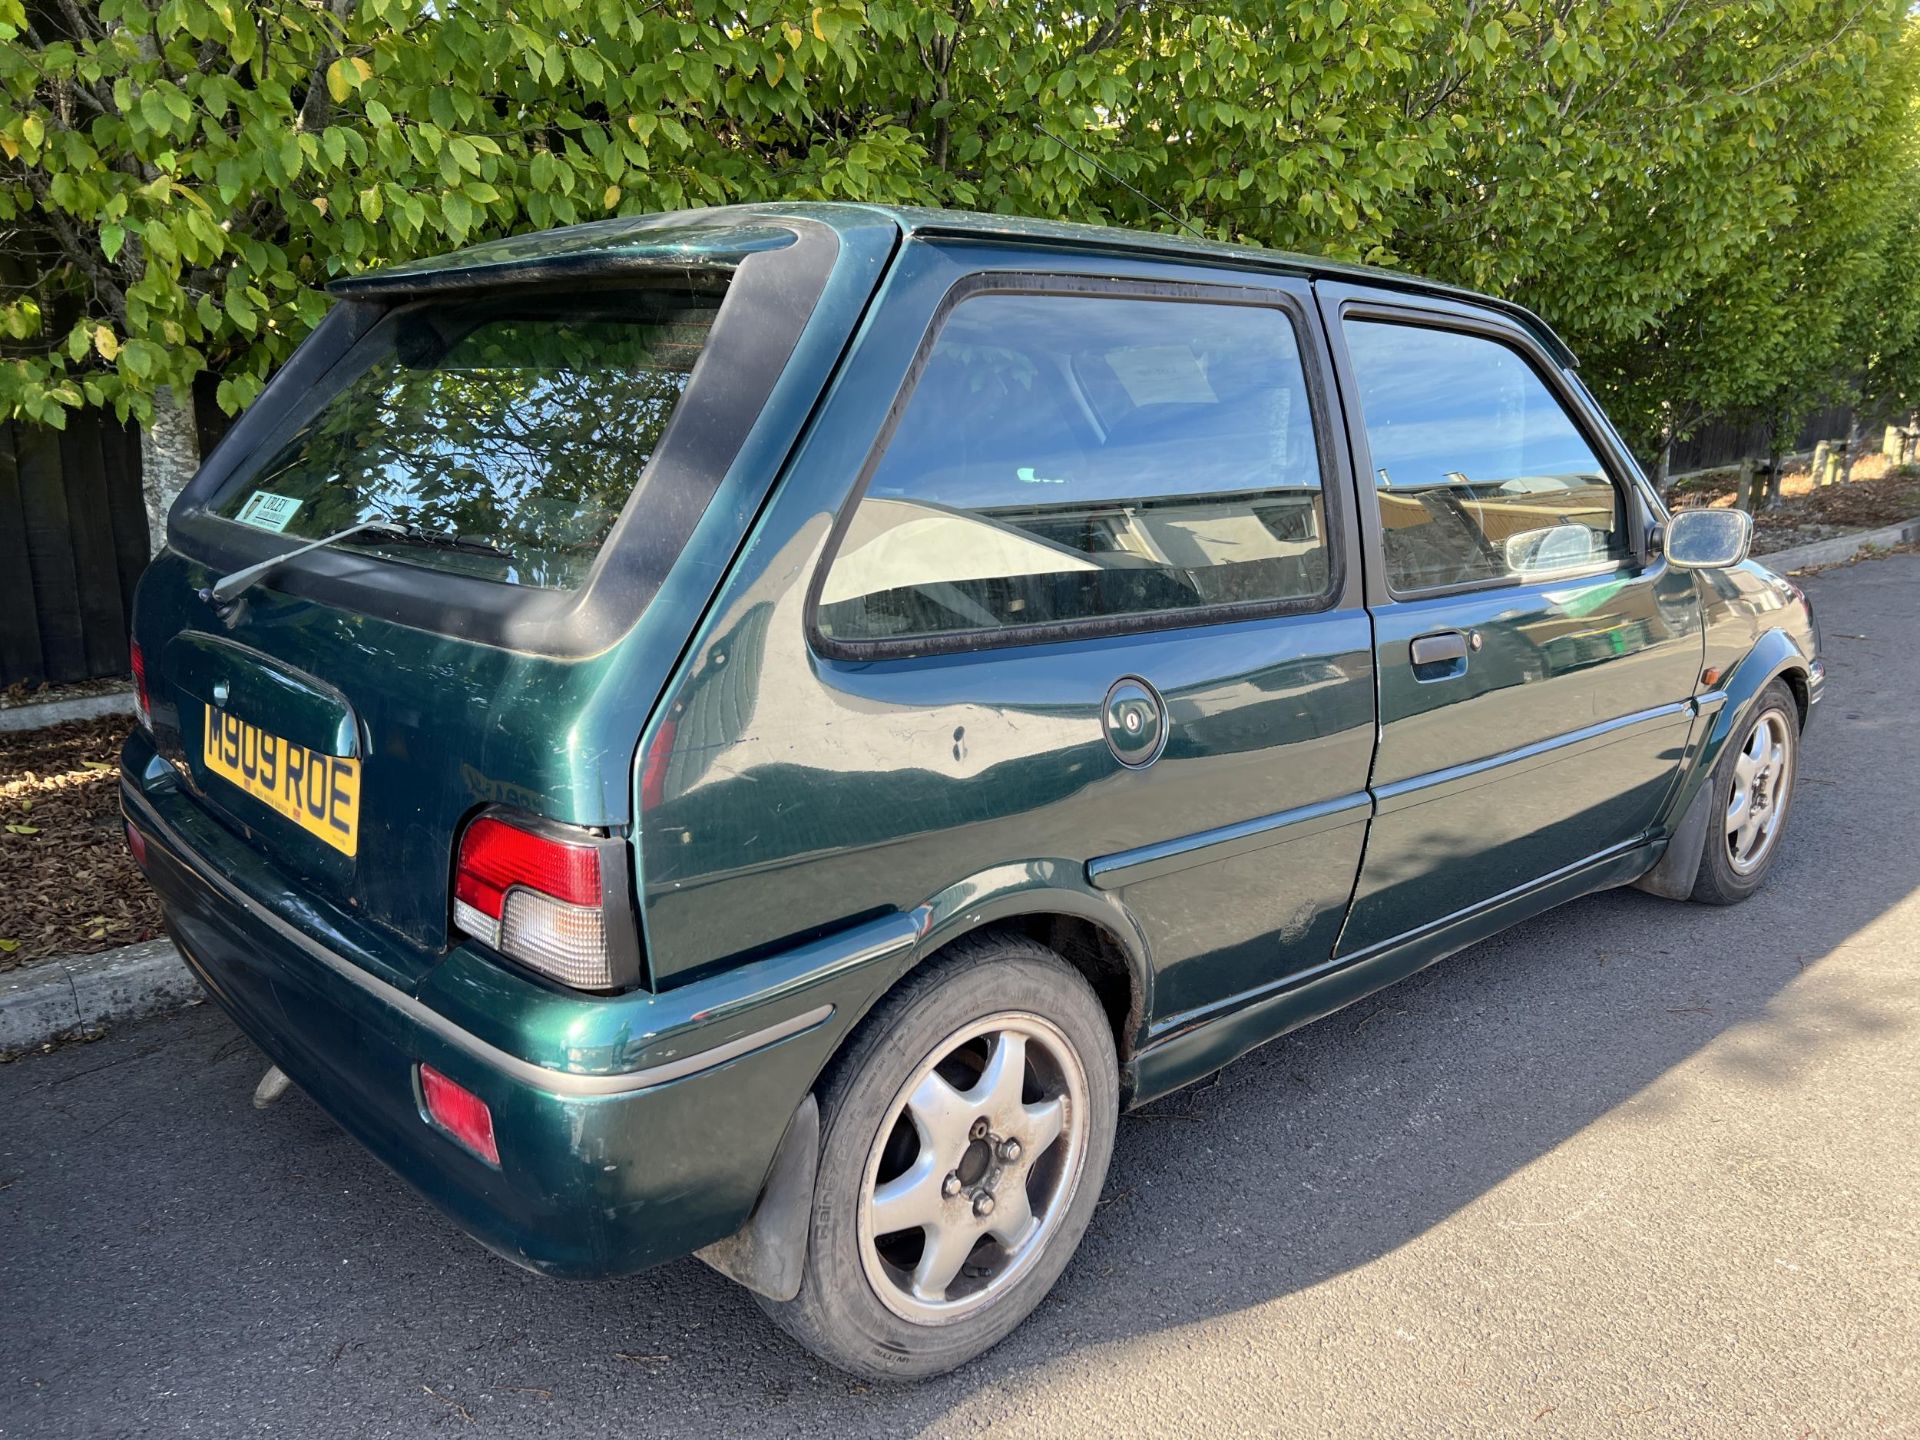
(319, 793)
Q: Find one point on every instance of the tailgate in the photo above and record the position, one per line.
(503, 637)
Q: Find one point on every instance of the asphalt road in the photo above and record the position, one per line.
(1634, 1168)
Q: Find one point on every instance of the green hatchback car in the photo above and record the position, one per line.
(759, 732)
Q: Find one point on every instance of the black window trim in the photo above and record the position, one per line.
(1571, 402)
(1326, 440)
(772, 295)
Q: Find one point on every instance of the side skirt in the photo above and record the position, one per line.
(1191, 1047)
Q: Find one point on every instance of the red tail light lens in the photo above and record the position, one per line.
(535, 897)
(136, 845)
(495, 856)
(459, 1112)
(141, 704)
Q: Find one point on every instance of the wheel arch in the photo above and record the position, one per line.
(1050, 902)
(1047, 901)
(1774, 656)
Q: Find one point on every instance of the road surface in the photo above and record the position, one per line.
(1633, 1168)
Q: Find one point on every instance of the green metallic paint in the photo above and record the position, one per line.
(808, 788)
(1191, 1054)
(451, 726)
(805, 829)
(590, 1183)
(592, 251)
(221, 672)
(1558, 738)
(1745, 599)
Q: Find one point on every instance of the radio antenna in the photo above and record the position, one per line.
(1120, 179)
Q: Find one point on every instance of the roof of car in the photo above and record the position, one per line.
(734, 230)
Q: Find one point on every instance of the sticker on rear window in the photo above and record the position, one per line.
(268, 511)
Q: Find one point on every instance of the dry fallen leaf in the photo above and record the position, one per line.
(69, 883)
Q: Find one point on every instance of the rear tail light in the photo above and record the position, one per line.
(550, 899)
(136, 845)
(141, 705)
(459, 1112)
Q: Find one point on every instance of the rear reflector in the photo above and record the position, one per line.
(136, 845)
(536, 897)
(459, 1112)
(141, 705)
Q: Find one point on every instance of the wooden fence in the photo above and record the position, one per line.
(1723, 442)
(73, 541)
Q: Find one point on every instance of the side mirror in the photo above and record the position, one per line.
(1708, 539)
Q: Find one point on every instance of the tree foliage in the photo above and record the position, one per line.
(1677, 185)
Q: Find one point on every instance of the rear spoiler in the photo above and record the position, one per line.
(609, 250)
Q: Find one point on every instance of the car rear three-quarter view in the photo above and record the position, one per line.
(760, 732)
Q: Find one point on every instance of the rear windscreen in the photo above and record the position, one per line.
(503, 435)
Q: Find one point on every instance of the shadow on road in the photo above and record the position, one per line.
(178, 1240)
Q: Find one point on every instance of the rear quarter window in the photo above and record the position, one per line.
(509, 432)
(1074, 459)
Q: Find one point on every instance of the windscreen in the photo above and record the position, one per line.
(503, 434)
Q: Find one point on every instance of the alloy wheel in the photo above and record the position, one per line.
(1762, 776)
(974, 1167)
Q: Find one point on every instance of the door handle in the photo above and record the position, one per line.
(1441, 648)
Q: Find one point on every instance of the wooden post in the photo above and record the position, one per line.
(1817, 467)
(1743, 497)
(1849, 449)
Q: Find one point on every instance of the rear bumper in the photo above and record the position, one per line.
(605, 1168)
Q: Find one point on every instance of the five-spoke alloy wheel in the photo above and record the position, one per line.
(1753, 790)
(965, 1134)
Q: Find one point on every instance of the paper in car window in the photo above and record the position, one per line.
(1162, 375)
(267, 511)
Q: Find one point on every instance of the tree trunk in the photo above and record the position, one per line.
(1856, 437)
(1776, 473)
(169, 454)
(1743, 498)
(1663, 468)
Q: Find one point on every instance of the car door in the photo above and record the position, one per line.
(1535, 661)
(1084, 619)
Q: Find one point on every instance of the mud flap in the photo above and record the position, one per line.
(1673, 877)
(768, 1253)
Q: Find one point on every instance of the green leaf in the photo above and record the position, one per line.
(239, 310)
(458, 212)
(140, 358)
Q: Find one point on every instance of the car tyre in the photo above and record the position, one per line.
(1752, 793)
(965, 1134)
